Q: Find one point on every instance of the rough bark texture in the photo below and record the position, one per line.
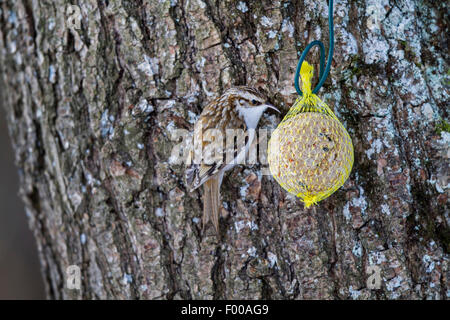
(91, 112)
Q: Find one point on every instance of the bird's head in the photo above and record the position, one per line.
(250, 104)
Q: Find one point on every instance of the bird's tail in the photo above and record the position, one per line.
(211, 203)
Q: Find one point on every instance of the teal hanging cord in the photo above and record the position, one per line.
(323, 73)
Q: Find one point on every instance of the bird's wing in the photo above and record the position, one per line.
(204, 162)
(209, 151)
(198, 172)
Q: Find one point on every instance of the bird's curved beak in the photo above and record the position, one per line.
(269, 106)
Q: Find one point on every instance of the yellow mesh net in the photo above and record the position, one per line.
(310, 153)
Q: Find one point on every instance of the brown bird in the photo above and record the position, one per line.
(238, 108)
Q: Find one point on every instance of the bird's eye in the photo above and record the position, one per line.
(254, 101)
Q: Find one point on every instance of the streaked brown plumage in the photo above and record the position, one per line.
(238, 108)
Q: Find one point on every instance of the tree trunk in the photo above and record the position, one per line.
(93, 93)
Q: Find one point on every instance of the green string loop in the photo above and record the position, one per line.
(323, 74)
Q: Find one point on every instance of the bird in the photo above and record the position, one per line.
(238, 108)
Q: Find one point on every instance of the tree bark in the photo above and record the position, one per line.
(91, 112)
